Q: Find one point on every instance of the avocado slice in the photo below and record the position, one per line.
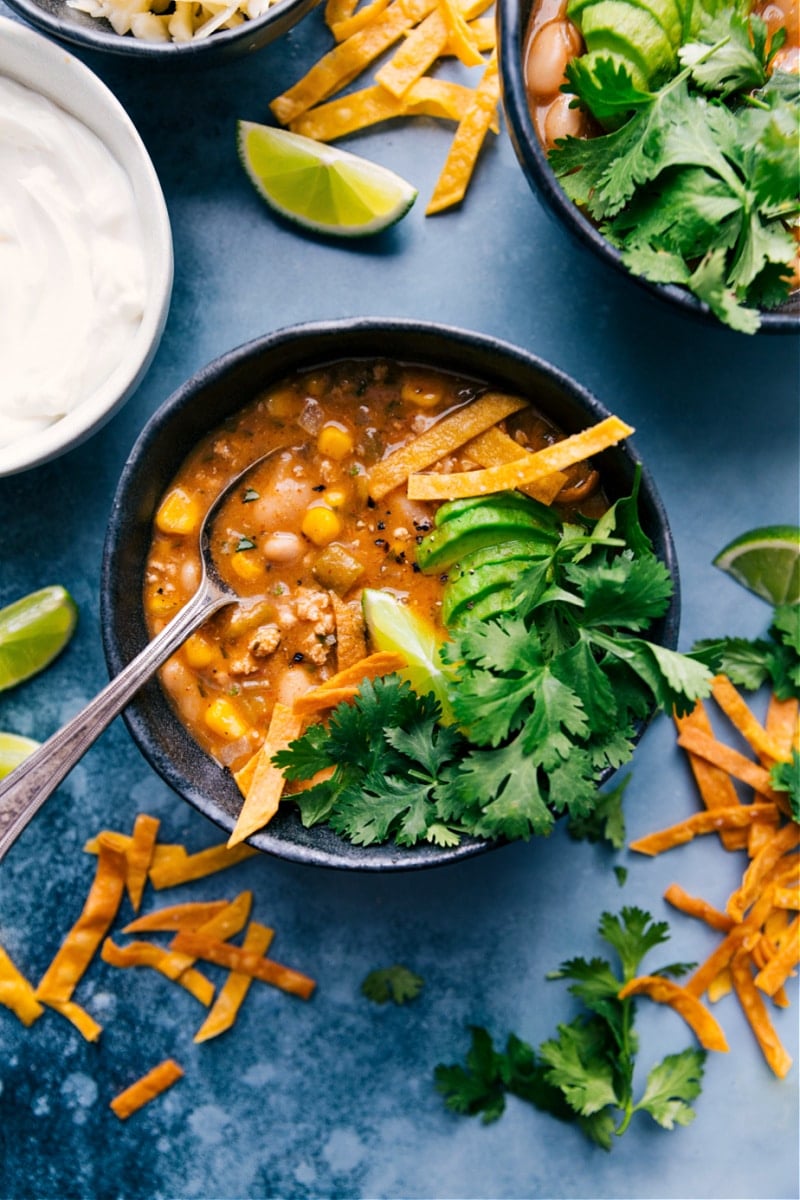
(668, 13)
(511, 499)
(493, 604)
(470, 531)
(622, 28)
(481, 572)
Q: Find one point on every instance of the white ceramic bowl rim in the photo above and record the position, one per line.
(31, 59)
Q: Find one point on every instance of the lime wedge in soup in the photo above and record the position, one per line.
(14, 749)
(394, 626)
(767, 561)
(33, 630)
(320, 187)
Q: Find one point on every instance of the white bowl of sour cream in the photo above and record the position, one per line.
(86, 261)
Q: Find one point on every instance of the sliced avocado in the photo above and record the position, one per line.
(446, 545)
(622, 28)
(668, 13)
(481, 572)
(495, 602)
(512, 499)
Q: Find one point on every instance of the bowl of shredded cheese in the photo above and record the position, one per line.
(162, 29)
(87, 270)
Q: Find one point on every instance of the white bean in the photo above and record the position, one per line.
(562, 121)
(555, 44)
(282, 547)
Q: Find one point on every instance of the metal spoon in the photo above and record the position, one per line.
(25, 790)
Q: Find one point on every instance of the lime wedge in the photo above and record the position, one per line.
(320, 187)
(13, 749)
(396, 627)
(767, 561)
(33, 631)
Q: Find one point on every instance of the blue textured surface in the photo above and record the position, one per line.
(335, 1098)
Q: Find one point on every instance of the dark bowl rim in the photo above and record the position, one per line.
(250, 36)
(542, 179)
(334, 340)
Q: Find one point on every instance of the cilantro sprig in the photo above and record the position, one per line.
(546, 697)
(697, 182)
(586, 1072)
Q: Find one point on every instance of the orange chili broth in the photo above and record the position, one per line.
(379, 405)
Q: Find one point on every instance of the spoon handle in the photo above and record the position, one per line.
(37, 777)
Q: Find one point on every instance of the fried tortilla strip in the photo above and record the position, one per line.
(525, 470)
(16, 992)
(416, 54)
(319, 700)
(743, 936)
(344, 684)
(357, 110)
(447, 435)
(760, 833)
(707, 821)
(351, 639)
(190, 915)
(266, 786)
(695, 1014)
(721, 985)
(492, 448)
(783, 722)
(171, 870)
(787, 897)
(758, 1018)
(148, 954)
(459, 166)
(736, 764)
(694, 906)
(740, 716)
(715, 785)
(236, 958)
(140, 855)
(146, 1089)
(781, 843)
(85, 1023)
(459, 36)
(338, 10)
(344, 27)
(231, 995)
(224, 924)
(774, 974)
(341, 65)
(84, 938)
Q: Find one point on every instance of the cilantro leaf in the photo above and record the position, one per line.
(785, 777)
(670, 1087)
(604, 87)
(737, 59)
(628, 592)
(606, 822)
(586, 1071)
(396, 983)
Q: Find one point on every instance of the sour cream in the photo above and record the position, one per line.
(72, 267)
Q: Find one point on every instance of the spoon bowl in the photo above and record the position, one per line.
(25, 790)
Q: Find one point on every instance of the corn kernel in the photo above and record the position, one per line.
(198, 652)
(425, 393)
(161, 602)
(179, 513)
(321, 524)
(284, 404)
(223, 718)
(247, 565)
(334, 441)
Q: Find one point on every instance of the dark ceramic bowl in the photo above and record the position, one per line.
(58, 20)
(219, 390)
(512, 21)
